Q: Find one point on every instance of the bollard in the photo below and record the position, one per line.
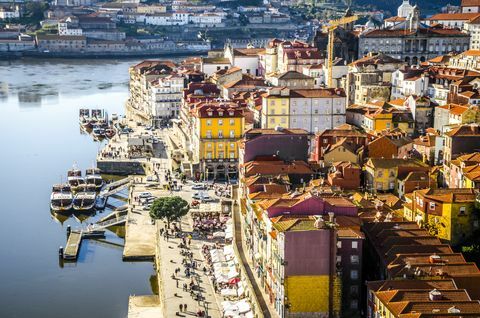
(60, 252)
(69, 230)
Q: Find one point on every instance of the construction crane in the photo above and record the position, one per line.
(330, 29)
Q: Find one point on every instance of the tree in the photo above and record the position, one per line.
(169, 208)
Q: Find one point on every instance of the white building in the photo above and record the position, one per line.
(206, 20)
(469, 6)
(473, 28)
(166, 98)
(405, 9)
(63, 29)
(409, 82)
(12, 12)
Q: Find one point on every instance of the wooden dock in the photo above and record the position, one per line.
(73, 246)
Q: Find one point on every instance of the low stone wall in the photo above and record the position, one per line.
(121, 168)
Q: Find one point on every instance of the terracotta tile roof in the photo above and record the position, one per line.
(453, 16)
(248, 52)
(470, 3)
(395, 19)
(427, 141)
(317, 93)
(276, 167)
(293, 75)
(442, 284)
(375, 60)
(272, 131)
(397, 250)
(448, 195)
(465, 130)
(388, 163)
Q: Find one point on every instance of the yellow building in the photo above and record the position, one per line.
(217, 128)
(378, 121)
(382, 173)
(449, 214)
(276, 108)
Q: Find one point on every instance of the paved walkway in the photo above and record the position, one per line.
(173, 292)
(144, 307)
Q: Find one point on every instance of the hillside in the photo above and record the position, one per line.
(426, 6)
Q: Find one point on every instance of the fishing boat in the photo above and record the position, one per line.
(93, 177)
(74, 178)
(84, 201)
(110, 132)
(61, 198)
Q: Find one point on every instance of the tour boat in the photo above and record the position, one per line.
(83, 201)
(74, 177)
(93, 177)
(85, 187)
(61, 198)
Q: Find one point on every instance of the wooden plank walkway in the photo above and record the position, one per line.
(73, 245)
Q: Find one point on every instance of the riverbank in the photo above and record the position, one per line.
(98, 55)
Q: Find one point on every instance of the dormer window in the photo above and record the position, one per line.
(210, 113)
(220, 113)
(231, 112)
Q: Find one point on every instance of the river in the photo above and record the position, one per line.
(40, 140)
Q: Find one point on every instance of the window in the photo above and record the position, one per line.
(325, 140)
(209, 145)
(220, 134)
(283, 120)
(431, 205)
(339, 258)
(339, 244)
(209, 122)
(353, 274)
(232, 122)
(209, 134)
(232, 145)
(354, 289)
(354, 259)
(354, 244)
(272, 120)
(232, 155)
(220, 122)
(353, 304)
(462, 210)
(221, 155)
(209, 155)
(232, 133)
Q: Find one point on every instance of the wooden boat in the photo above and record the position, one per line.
(61, 199)
(74, 178)
(93, 177)
(84, 201)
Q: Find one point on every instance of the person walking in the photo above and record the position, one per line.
(180, 307)
(185, 307)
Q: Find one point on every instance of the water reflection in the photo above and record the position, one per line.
(39, 146)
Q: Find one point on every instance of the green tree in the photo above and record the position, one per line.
(169, 208)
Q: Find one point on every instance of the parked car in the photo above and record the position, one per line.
(145, 195)
(198, 186)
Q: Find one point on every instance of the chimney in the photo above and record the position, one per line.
(331, 218)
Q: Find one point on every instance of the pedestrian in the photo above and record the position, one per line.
(176, 281)
(185, 307)
(180, 307)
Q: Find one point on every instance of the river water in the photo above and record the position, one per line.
(40, 140)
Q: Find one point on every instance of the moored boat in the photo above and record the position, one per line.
(93, 177)
(84, 201)
(61, 198)
(74, 178)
